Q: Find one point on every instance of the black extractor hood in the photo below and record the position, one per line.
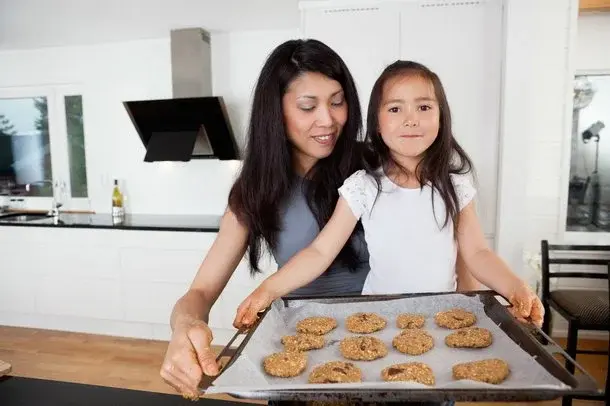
(193, 124)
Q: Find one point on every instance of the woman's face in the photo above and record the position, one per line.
(315, 112)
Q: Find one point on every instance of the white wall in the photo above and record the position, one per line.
(548, 149)
(544, 99)
(31, 24)
(593, 37)
(111, 73)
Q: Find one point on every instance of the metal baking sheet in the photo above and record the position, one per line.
(245, 377)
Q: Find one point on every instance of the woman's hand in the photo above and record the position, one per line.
(247, 312)
(188, 357)
(526, 306)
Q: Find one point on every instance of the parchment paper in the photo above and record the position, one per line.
(246, 374)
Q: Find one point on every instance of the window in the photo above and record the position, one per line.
(589, 184)
(76, 145)
(42, 145)
(25, 153)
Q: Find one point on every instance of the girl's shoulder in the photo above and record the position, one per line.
(359, 190)
(360, 178)
(463, 184)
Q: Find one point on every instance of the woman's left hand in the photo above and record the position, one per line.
(526, 306)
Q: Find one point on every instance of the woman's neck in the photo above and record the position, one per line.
(302, 163)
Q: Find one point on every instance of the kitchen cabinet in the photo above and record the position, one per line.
(115, 282)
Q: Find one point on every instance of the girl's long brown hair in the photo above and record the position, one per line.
(439, 160)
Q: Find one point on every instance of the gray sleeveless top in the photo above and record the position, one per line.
(298, 229)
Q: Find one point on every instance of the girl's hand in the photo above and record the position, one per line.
(526, 306)
(247, 312)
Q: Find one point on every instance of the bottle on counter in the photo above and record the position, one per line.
(118, 203)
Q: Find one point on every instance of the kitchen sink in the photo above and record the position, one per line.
(22, 217)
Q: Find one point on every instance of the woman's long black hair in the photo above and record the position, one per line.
(267, 175)
(444, 157)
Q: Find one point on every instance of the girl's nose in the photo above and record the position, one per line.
(410, 121)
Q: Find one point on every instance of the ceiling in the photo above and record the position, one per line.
(26, 24)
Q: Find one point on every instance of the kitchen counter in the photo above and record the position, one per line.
(17, 391)
(151, 222)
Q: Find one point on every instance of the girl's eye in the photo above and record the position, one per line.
(338, 102)
(394, 109)
(425, 107)
(307, 108)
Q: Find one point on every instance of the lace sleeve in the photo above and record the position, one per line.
(464, 189)
(358, 191)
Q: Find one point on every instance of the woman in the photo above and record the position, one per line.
(302, 145)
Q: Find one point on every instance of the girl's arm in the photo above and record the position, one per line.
(491, 271)
(466, 282)
(303, 267)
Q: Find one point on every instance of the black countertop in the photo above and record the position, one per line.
(17, 391)
(155, 222)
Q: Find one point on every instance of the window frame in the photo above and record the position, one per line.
(575, 237)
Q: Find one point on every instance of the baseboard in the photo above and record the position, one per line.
(587, 334)
(115, 328)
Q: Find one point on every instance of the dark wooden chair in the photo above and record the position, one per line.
(584, 309)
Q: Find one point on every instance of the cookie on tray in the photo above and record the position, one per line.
(364, 323)
(469, 337)
(336, 372)
(303, 342)
(318, 325)
(413, 341)
(363, 348)
(493, 370)
(285, 364)
(455, 318)
(409, 371)
(410, 320)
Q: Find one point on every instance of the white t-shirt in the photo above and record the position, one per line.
(409, 251)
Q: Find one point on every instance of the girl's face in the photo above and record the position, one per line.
(315, 112)
(409, 118)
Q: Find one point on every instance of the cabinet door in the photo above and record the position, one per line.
(462, 42)
(366, 38)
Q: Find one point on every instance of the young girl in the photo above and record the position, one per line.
(416, 208)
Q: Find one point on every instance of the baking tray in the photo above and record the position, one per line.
(523, 336)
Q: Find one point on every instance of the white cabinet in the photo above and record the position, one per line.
(113, 282)
(461, 41)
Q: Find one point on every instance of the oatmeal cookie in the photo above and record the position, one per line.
(303, 342)
(363, 323)
(335, 372)
(469, 337)
(413, 341)
(316, 325)
(455, 318)
(408, 320)
(285, 364)
(409, 371)
(492, 370)
(362, 348)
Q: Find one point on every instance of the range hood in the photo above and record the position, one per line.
(193, 124)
